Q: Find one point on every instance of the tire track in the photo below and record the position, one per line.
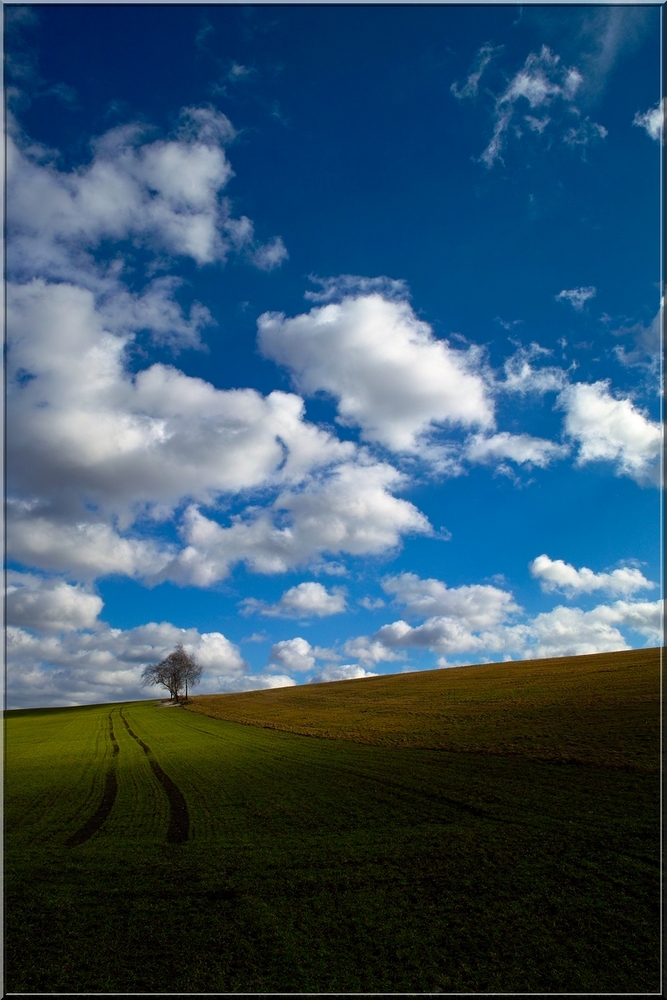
(179, 820)
(94, 822)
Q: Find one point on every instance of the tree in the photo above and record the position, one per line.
(176, 672)
(191, 671)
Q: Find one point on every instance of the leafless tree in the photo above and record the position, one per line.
(176, 672)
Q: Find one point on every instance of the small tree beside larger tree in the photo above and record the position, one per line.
(177, 672)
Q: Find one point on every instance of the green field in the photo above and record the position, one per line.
(486, 829)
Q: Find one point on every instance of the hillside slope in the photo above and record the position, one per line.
(598, 709)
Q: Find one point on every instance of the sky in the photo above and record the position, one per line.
(333, 340)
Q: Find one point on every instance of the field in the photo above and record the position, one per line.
(484, 829)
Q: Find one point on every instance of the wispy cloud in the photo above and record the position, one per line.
(540, 98)
(481, 61)
(577, 297)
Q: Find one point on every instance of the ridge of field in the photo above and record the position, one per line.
(601, 708)
(330, 865)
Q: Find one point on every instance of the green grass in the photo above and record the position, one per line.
(335, 865)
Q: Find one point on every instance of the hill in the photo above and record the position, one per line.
(486, 829)
(597, 709)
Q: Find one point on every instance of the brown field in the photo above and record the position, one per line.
(598, 709)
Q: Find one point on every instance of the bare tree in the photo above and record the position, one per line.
(177, 671)
(189, 669)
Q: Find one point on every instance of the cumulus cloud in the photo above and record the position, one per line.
(371, 603)
(653, 120)
(83, 548)
(306, 600)
(520, 448)
(164, 195)
(479, 606)
(480, 622)
(608, 429)
(86, 436)
(559, 575)
(105, 664)
(573, 632)
(296, 655)
(390, 376)
(49, 605)
(560, 632)
(369, 651)
(155, 310)
(577, 297)
(350, 510)
(438, 634)
(645, 617)
(344, 672)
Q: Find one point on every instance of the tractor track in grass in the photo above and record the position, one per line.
(94, 822)
(179, 820)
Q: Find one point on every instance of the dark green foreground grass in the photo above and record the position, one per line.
(320, 865)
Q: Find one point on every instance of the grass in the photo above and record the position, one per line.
(598, 709)
(469, 830)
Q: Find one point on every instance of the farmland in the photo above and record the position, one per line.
(485, 829)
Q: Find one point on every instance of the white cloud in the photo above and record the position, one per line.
(611, 430)
(645, 617)
(522, 377)
(346, 285)
(296, 655)
(306, 600)
(520, 448)
(646, 350)
(49, 605)
(106, 664)
(478, 606)
(573, 632)
(271, 255)
(438, 634)
(390, 376)
(559, 575)
(240, 72)
(577, 297)
(344, 672)
(652, 120)
(84, 432)
(369, 651)
(348, 511)
(560, 632)
(474, 623)
(371, 603)
(164, 195)
(584, 132)
(154, 309)
(82, 548)
(481, 61)
(543, 83)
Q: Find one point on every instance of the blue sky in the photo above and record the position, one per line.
(333, 340)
